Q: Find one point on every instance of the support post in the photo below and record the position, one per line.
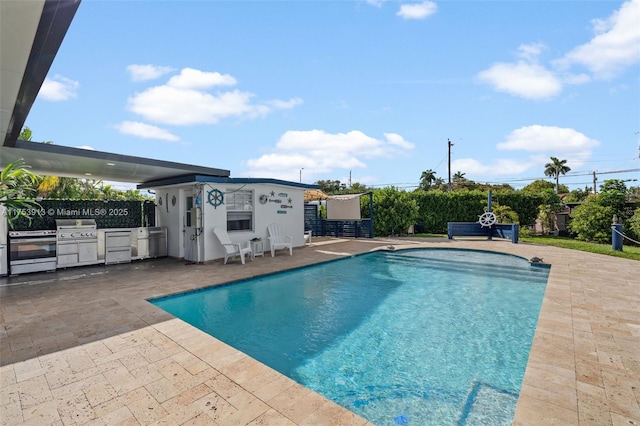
(449, 144)
(616, 234)
(490, 232)
(371, 214)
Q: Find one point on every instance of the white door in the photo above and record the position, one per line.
(190, 234)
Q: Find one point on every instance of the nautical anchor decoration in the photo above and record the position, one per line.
(215, 198)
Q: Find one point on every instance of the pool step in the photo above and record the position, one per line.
(458, 265)
(486, 404)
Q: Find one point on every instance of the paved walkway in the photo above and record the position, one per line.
(82, 346)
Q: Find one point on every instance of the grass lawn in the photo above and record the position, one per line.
(628, 252)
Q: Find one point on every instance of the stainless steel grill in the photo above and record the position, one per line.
(77, 241)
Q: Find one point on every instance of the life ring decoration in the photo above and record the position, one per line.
(215, 198)
(487, 219)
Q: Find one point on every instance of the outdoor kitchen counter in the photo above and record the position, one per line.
(114, 245)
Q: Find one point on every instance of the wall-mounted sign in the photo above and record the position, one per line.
(263, 199)
(279, 200)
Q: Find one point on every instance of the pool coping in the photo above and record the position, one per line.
(583, 366)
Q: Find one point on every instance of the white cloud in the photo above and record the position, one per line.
(376, 3)
(145, 131)
(184, 100)
(147, 72)
(168, 105)
(397, 140)
(319, 152)
(576, 78)
(190, 78)
(524, 79)
(530, 51)
(498, 167)
(615, 46)
(548, 138)
(417, 10)
(539, 142)
(58, 88)
(291, 103)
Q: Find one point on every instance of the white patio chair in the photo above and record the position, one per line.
(232, 249)
(279, 241)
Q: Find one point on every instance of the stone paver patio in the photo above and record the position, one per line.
(82, 346)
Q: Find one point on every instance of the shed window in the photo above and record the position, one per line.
(239, 210)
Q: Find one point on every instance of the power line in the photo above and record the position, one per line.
(515, 180)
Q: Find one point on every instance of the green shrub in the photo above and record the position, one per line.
(505, 214)
(633, 226)
(591, 221)
(395, 211)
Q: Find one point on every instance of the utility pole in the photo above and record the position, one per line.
(450, 144)
(349, 179)
(595, 179)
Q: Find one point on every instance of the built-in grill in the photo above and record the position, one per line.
(77, 242)
(32, 251)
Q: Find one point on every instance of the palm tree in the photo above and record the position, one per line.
(427, 178)
(556, 168)
(459, 176)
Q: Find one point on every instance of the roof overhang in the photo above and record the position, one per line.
(31, 33)
(188, 179)
(57, 160)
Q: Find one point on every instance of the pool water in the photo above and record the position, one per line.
(424, 336)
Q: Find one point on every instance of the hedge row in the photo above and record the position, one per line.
(436, 208)
(107, 214)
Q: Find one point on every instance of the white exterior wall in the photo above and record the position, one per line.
(183, 242)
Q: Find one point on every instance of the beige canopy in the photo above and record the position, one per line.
(344, 207)
(314, 194)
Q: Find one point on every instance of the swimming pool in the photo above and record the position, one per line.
(425, 336)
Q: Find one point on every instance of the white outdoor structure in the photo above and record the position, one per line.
(191, 207)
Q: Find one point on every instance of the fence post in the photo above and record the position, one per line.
(371, 214)
(616, 234)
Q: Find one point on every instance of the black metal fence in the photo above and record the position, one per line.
(346, 228)
(335, 228)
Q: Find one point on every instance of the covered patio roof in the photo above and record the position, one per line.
(31, 33)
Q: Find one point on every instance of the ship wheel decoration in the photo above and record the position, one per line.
(215, 198)
(487, 219)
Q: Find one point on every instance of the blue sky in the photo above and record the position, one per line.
(371, 89)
